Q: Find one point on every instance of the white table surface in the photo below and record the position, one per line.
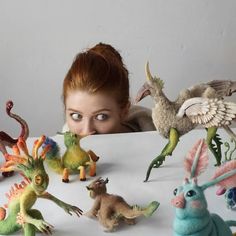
(124, 159)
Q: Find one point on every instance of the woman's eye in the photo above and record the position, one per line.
(101, 117)
(76, 116)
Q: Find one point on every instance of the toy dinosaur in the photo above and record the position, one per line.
(22, 196)
(75, 160)
(111, 209)
(172, 127)
(6, 140)
(192, 217)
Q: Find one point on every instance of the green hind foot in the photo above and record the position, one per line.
(215, 147)
(157, 162)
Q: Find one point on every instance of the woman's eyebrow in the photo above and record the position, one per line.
(73, 110)
(101, 110)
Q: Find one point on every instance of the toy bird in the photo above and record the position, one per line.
(75, 160)
(6, 140)
(191, 214)
(172, 127)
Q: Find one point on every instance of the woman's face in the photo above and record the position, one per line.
(97, 113)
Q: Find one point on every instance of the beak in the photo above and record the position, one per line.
(144, 91)
(88, 188)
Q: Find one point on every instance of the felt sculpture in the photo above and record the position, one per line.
(191, 214)
(111, 209)
(75, 160)
(6, 140)
(22, 196)
(165, 119)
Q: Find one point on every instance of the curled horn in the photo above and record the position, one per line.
(148, 73)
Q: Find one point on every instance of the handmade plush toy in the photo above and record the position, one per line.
(75, 160)
(170, 126)
(111, 209)
(22, 196)
(6, 140)
(192, 217)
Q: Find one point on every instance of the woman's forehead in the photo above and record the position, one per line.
(94, 101)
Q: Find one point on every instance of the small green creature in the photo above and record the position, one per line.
(23, 196)
(75, 160)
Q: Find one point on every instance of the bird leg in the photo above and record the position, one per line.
(214, 148)
(167, 151)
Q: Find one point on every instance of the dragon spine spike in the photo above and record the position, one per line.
(196, 160)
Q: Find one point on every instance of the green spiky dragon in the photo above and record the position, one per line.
(22, 197)
(75, 160)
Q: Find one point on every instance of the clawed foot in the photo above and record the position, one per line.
(41, 225)
(157, 162)
(111, 225)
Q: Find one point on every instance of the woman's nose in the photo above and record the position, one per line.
(88, 128)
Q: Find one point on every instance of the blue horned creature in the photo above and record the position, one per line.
(192, 217)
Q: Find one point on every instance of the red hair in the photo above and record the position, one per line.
(99, 69)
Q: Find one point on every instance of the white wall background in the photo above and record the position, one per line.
(185, 41)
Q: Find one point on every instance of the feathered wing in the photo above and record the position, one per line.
(208, 112)
(196, 160)
(223, 87)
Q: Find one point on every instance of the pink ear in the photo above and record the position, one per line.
(196, 160)
(227, 168)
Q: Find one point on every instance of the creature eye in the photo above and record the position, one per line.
(191, 193)
(101, 117)
(175, 191)
(38, 179)
(76, 116)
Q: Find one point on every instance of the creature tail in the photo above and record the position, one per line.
(137, 211)
(230, 223)
(8, 225)
(52, 157)
(151, 208)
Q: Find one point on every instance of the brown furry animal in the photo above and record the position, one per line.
(111, 209)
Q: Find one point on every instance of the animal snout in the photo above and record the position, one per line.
(178, 201)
